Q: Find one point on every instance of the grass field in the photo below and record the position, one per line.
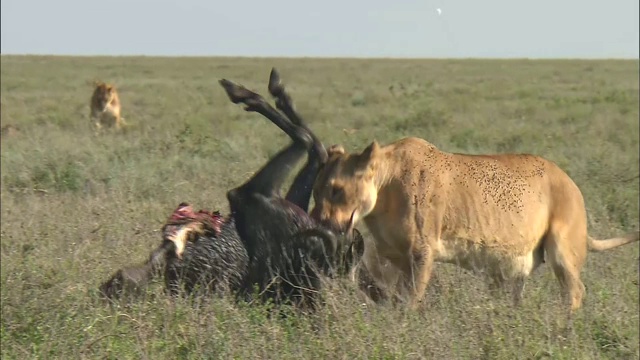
(76, 207)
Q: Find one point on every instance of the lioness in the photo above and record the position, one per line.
(105, 106)
(494, 213)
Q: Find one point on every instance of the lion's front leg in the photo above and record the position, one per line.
(418, 274)
(368, 285)
(96, 125)
(378, 278)
(108, 120)
(415, 272)
(94, 120)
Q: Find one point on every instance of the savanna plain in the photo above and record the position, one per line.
(76, 206)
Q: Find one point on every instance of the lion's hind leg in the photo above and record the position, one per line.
(514, 272)
(529, 264)
(567, 258)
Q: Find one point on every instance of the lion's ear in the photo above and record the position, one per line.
(368, 155)
(335, 150)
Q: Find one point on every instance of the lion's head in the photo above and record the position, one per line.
(345, 189)
(103, 94)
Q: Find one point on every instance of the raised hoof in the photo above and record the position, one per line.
(237, 93)
(275, 85)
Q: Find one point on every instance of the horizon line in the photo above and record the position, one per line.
(322, 57)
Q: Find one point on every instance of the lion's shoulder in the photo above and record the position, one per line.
(410, 143)
(408, 151)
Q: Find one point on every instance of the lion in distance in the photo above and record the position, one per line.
(105, 107)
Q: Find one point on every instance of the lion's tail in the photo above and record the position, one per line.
(602, 245)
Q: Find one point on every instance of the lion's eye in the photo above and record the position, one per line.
(337, 193)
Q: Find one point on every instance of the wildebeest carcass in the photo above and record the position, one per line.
(267, 241)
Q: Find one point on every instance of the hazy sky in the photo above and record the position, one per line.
(342, 28)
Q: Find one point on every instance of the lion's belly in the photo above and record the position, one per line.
(493, 261)
(495, 242)
(482, 234)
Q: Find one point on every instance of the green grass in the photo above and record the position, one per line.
(76, 207)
